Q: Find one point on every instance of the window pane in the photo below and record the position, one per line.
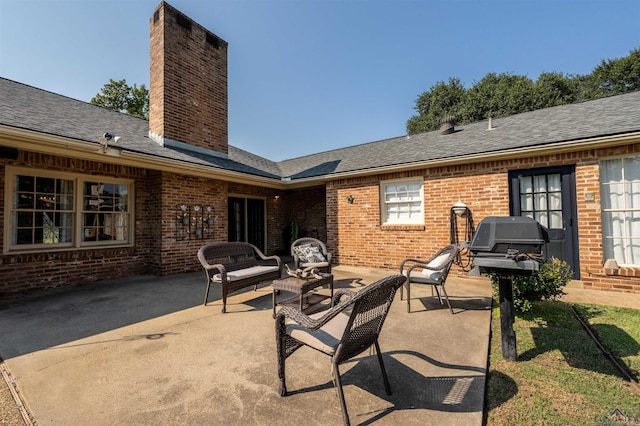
(24, 200)
(23, 236)
(45, 185)
(632, 169)
(555, 201)
(25, 183)
(541, 201)
(526, 202)
(24, 219)
(542, 218)
(556, 220)
(65, 202)
(526, 185)
(553, 182)
(632, 198)
(611, 171)
(540, 183)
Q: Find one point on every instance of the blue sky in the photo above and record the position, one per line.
(307, 76)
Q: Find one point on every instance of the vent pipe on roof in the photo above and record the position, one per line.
(447, 124)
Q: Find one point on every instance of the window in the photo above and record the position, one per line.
(541, 199)
(61, 210)
(620, 194)
(402, 202)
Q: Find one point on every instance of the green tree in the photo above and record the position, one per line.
(615, 76)
(553, 89)
(441, 100)
(498, 95)
(119, 96)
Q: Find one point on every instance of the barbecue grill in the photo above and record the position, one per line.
(507, 245)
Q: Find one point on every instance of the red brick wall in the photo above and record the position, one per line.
(355, 231)
(308, 209)
(24, 272)
(188, 83)
(177, 255)
(158, 249)
(593, 275)
(306, 206)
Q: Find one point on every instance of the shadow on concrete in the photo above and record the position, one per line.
(458, 304)
(410, 389)
(49, 318)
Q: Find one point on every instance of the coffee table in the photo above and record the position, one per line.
(300, 287)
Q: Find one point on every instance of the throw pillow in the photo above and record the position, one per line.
(309, 254)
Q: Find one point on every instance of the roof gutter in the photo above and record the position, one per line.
(546, 149)
(57, 145)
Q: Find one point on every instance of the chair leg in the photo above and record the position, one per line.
(337, 382)
(281, 362)
(387, 386)
(408, 296)
(437, 293)
(281, 345)
(206, 293)
(447, 297)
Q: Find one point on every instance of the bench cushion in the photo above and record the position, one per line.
(241, 274)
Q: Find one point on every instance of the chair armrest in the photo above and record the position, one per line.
(216, 266)
(411, 263)
(341, 292)
(305, 320)
(263, 257)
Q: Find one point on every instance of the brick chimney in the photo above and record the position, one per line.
(188, 83)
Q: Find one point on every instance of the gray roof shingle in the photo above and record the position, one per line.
(30, 108)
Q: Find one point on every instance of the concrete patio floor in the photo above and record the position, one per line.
(146, 351)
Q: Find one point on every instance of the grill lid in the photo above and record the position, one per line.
(497, 235)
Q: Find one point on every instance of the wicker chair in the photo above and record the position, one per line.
(347, 329)
(432, 272)
(302, 263)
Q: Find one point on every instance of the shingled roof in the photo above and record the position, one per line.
(28, 108)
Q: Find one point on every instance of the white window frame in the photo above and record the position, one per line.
(621, 217)
(126, 228)
(402, 201)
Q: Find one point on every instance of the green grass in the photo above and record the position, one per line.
(560, 376)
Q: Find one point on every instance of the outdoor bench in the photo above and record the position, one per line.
(234, 266)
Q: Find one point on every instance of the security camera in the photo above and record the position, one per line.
(117, 139)
(107, 136)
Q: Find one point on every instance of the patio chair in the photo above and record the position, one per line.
(311, 253)
(347, 329)
(431, 272)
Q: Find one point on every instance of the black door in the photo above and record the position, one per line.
(246, 221)
(549, 196)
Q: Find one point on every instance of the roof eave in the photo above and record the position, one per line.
(29, 140)
(509, 154)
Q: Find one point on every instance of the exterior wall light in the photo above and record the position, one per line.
(350, 199)
(460, 209)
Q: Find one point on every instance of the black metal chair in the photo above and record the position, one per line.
(347, 329)
(431, 272)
